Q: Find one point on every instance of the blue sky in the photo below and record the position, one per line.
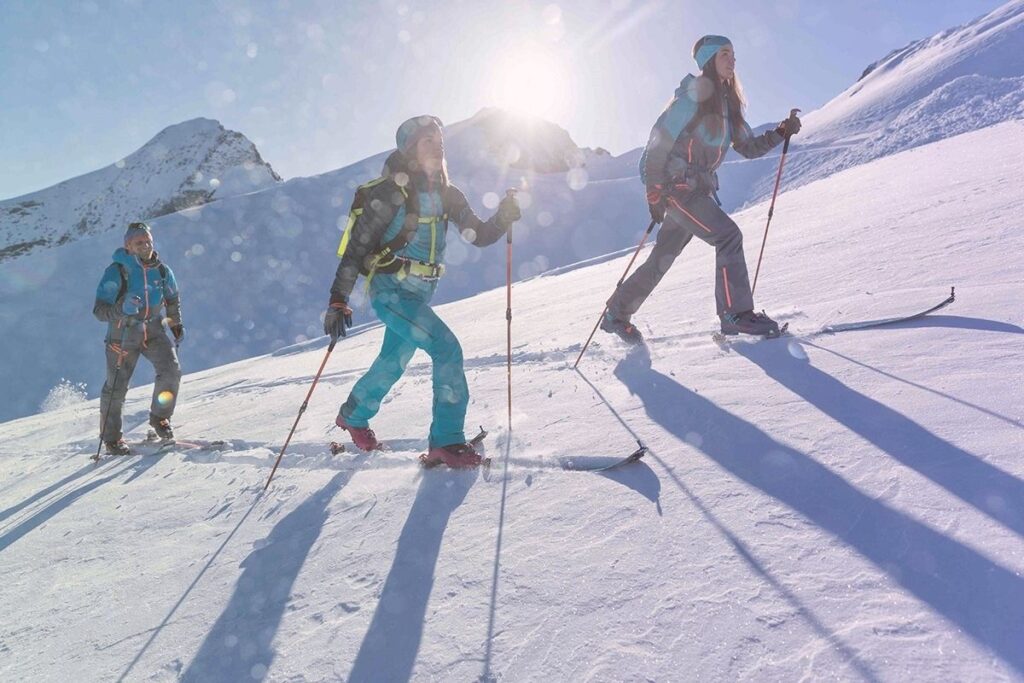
(318, 85)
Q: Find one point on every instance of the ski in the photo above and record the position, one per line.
(601, 464)
(152, 445)
(175, 444)
(845, 327)
(724, 341)
(582, 463)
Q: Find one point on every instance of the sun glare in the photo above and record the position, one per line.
(530, 82)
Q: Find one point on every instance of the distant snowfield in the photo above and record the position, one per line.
(848, 506)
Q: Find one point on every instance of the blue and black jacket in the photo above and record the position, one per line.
(132, 291)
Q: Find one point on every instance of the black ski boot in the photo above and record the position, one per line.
(749, 322)
(623, 328)
(118, 447)
(162, 427)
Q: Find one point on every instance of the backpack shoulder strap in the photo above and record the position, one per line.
(124, 282)
(359, 202)
(163, 278)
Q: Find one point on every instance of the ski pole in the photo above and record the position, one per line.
(113, 385)
(334, 340)
(617, 285)
(508, 310)
(771, 208)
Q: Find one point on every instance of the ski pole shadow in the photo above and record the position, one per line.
(982, 598)
(166, 620)
(848, 654)
(26, 525)
(630, 364)
(638, 476)
(487, 676)
(989, 489)
(239, 642)
(389, 648)
(981, 409)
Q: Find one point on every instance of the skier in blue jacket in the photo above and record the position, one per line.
(679, 164)
(397, 238)
(130, 296)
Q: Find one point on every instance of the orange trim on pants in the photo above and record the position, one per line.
(725, 281)
(688, 214)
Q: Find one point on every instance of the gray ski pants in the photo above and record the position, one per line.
(153, 343)
(700, 215)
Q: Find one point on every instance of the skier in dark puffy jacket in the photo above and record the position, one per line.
(679, 166)
(130, 296)
(397, 240)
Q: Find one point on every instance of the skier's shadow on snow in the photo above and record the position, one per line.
(992, 491)
(43, 493)
(24, 525)
(239, 643)
(981, 597)
(389, 649)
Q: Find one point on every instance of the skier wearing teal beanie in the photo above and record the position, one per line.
(679, 167)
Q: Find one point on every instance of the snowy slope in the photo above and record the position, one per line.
(962, 79)
(847, 506)
(184, 165)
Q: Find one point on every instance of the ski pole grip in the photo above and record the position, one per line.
(785, 145)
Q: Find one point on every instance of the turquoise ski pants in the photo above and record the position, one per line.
(411, 324)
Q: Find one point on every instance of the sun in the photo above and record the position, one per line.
(531, 82)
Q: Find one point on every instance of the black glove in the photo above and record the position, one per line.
(656, 203)
(508, 210)
(337, 319)
(178, 330)
(789, 127)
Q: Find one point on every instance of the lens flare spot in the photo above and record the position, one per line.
(577, 179)
(164, 398)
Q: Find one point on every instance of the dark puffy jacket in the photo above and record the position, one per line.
(384, 214)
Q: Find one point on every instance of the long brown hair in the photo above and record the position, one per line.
(710, 109)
